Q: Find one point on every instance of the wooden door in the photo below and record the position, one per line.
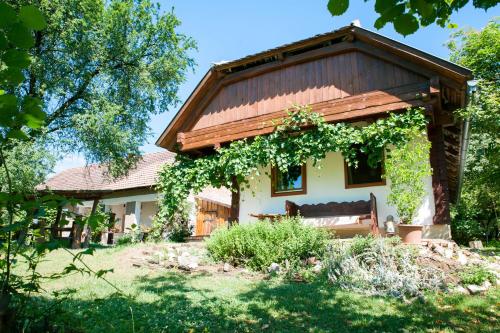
(210, 216)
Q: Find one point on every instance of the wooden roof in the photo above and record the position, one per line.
(344, 40)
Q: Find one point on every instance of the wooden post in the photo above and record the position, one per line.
(55, 226)
(439, 175)
(235, 202)
(88, 229)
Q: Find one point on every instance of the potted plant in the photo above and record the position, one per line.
(406, 167)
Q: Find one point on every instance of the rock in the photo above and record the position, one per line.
(474, 289)
(462, 258)
(448, 253)
(318, 267)
(311, 261)
(439, 250)
(226, 267)
(461, 290)
(274, 268)
(476, 244)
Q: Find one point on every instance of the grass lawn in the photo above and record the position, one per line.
(170, 301)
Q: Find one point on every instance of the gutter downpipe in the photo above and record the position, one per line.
(471, 89)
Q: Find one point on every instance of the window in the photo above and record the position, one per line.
(292, 182)
(364, 174)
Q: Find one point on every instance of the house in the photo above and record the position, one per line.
(348, 75)
(133, 199)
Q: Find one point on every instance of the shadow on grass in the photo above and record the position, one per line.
(170, 304)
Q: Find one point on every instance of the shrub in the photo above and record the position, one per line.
(134, 236)
(477, 275)
(379, 266)
(258, 245)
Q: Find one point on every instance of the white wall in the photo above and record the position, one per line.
(324, 185)
(148, 212)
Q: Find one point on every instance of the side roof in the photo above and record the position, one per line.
(453, 73)
(92, 178)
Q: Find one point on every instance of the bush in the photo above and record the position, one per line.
(258, 245)
(379, 266)
(134, 236)
(477, 275)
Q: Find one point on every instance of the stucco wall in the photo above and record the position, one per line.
(148, 211)
(324, 185)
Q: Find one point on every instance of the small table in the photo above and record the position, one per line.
(270, 217)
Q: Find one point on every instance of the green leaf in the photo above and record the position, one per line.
(424, 8)
(17, 134)
(20, 36)
(12, 76)
(7, 15)
(16, 58)
(3, 41)
(405, 24)
(32, 17)
(383, 5)
(338, 7)
(8, 108)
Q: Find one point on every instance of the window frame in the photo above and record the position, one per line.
(301, 191)
(382, 182)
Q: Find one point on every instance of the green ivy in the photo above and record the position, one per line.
(288, 145)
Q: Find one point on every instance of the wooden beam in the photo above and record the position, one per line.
(89, 229)
(234, 215)
(439, 176)
(350, 108)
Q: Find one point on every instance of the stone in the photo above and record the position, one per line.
(461, 290)
(448, 253)
(474, 289)
(439, 250)
(274, 268)
(318, 267)
(462, 258)
(226, 267)
(476, 244)
(311, 261)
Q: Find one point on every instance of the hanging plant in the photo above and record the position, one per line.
(289, 145)
(406, 167)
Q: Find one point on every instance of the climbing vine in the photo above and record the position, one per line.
(287, 146)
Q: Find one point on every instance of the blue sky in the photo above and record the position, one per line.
(227, 30)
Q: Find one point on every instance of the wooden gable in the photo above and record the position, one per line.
(325, 79)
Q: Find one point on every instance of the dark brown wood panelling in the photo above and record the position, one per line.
(319, 80)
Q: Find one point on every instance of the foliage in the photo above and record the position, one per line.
(102, 69)
(176, 228)
(379, 266)
(21, 119)
(173, 301)
(30, 163)
(477, 275)
(99, 222)
(406, 167)
(134, 235)
(407, 16)
(258, 245)
(477, 214)
(287, 146)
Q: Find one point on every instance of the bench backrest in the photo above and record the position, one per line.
(360, 207)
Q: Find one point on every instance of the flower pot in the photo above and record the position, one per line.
(410, 233)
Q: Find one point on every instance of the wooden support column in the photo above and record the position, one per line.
(55, 227)
(235, 202)
(88, 229)
(439, 175)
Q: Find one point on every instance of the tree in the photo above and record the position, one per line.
(477, 215)
(408, 16)
(102, 69)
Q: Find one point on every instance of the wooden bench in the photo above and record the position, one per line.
(356, 211)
